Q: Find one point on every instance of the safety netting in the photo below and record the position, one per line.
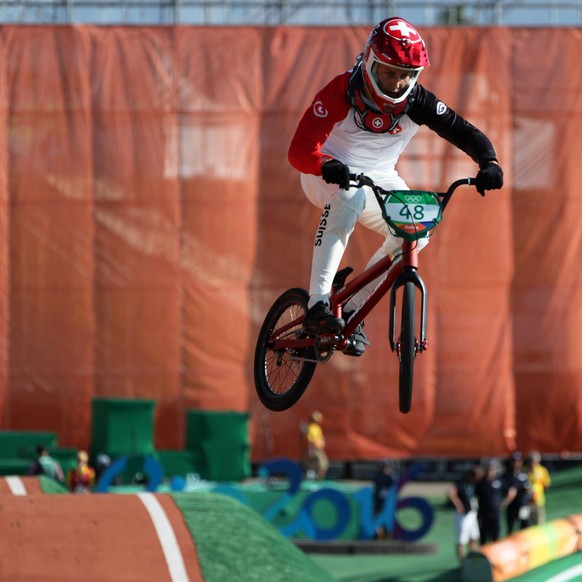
(149, 218)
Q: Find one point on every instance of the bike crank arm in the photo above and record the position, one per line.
(408, 275)
(324, 347)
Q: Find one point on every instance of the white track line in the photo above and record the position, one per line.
(569, 574)
(16, 485)
(167, 537)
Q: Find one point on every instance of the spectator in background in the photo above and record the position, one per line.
(384, 480)
(518, 510)
(317, 461)
(82, 478)
(102, 463)
(540, 480)
(44, 464)
(492, 500)
(463, 497)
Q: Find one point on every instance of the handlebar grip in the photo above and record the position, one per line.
(361, 180)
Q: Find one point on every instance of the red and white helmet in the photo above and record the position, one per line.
(396, 43)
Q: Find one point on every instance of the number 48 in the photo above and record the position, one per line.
(418, 213)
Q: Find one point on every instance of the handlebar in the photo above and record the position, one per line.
(359, 180)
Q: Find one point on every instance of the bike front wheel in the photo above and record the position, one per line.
(407, 348)
(282, 375)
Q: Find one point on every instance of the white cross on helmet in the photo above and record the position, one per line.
(400, 29)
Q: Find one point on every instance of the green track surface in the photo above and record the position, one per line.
(50, 486)
(569, 569)
(442, 566)
(235, 543)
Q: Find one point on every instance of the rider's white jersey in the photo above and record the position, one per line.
(366, 152)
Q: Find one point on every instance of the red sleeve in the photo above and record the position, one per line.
(329, 106)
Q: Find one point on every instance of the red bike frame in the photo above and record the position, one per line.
(404, 269)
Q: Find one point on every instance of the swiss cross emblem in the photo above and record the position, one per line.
(401, 30)
(319, 110)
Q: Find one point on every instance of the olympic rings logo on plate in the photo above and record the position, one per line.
(412, 198)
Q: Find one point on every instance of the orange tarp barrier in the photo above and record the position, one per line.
(149, 217)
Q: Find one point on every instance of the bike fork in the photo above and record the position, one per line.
(408, 275)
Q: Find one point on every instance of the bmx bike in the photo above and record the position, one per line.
(286, 355)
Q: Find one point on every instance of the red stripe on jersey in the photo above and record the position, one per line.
(329, 106)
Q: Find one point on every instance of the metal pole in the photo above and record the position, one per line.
(498, 17)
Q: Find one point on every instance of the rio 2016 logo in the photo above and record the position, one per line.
(304, 521)
(299, 513)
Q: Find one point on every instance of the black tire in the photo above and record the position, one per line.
(281, 378)
(407, 346)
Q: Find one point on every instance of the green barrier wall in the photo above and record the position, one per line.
(220, 441)
(122, 427)
(18, 449)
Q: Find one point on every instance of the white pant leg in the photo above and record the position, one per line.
(341, 209)
(466, 527)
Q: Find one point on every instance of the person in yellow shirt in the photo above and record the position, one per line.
(540, 480)
(317, 461)
(82, 478)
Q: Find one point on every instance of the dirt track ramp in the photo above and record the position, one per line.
(100, 538)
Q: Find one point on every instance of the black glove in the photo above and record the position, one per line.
(489, 177)
(336, 172)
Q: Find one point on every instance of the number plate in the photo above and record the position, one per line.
(412, 213)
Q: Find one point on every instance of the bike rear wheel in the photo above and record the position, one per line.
(282, 376)
(407, 349)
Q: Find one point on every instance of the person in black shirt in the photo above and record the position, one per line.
(492, 500)
(384, 480)
(462, 495)
(518, 510)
